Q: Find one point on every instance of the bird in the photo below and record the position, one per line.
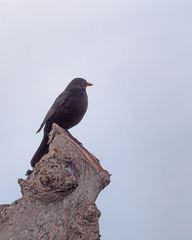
(67, 111)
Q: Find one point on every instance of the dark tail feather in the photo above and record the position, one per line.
(42, 149)
(42, 124)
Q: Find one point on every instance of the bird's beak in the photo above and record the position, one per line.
(88, 84)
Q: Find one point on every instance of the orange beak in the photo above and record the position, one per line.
(88, 84)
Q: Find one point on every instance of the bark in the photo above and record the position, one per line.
(58, 196)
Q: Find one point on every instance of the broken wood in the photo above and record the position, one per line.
(58, 196)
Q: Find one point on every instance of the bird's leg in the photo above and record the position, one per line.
(75, 139)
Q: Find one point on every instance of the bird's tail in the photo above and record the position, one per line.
(42, 149)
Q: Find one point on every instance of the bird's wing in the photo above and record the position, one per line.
(60, 100)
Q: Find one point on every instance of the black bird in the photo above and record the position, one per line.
(67, 111)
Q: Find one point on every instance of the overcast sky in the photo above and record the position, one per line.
(138, 55)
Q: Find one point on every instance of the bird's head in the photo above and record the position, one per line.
(79, 82)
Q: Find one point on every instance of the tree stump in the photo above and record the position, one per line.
(58, 196)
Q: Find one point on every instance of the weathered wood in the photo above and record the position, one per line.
(58, 197)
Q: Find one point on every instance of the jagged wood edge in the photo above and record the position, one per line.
(90, 158)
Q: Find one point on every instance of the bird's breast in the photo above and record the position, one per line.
(73, 111)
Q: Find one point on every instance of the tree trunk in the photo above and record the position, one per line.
(58, 196)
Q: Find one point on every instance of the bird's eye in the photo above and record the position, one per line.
(83, 84)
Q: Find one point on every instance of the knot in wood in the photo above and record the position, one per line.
(5, 212)
(92, 213)
(57, 176)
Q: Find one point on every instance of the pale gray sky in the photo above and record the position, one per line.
(138, 55)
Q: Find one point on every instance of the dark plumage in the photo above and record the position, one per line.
(67, 111)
